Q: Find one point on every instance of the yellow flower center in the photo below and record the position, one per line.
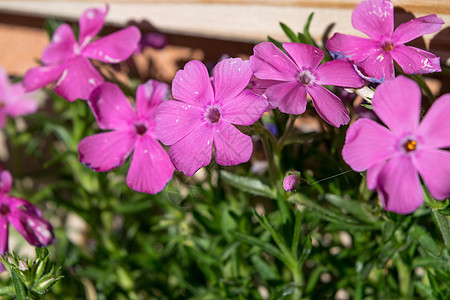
(387, 46)
(410, 145)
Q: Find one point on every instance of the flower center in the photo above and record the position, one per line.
(306, 77)
(387, 46)
(212, 114)
(140, 128)
(2, 104)
(4, 210)
(410, 145)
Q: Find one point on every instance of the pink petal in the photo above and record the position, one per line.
(416, 61)
(28, 221)
(378, 65)
(115, 47)
(150, 168)
(259, 86)
(232, 147)
(78, 80)
(5, 182)
(367, 143)
(175, 120)
(192, 84)
(434, 167)
(289, 97)
(329, 107)
(375, 18)
(397, 103)
(338, 72)
(244, 109)
(91, 21)
(148, 96)
(305, 56)
(231, 76)
(193, 151)
(355, 48)
(39, 77)
(434, 128)
(4, 232)
(399, 186)
(373, 173)
(20, 103)
(4, 82)
(111, 108)
(105, 151)
(415, 28)
(61, 47)
(269, 62)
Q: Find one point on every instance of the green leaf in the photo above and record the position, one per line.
(388, 231)
(355, 208)
(263, 268)
(290, 34)
(424, 239)
(306, 250)
(306, 33)
(275, 42)
(247, 184)
(269, 248)
(19, 287)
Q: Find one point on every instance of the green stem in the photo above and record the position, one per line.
(419, 79)
(443, 223)
(270, 159)
(287, 132)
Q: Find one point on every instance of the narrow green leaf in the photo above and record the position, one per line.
(290, 34)
(247, 184)
(306, 250)
(275, 42)
(263, 268)
(424, 239)
(388, 231)
(306, 33)
(269, 248)
(18, 285)
(355, 208)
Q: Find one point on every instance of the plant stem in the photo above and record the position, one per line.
(443, 223)
(287, 132)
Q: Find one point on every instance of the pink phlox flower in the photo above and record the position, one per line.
(66, 61)
(298, 73)
(150, 168)
(374, 56)
(205, 113)
(394, 156)
(24, 216)
(14, 101)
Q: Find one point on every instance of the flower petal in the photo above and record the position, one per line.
(91, 21)
(231, 76)
(338, 72)
(61, 47)
(367, 143)
(150, 168)
(244, 109)
(28, 221)
(78, 80)
(434, 128)
(416, 61)
(110, 107)
(416, 28)
(397, 103)
(4, 82)
(375, 18)
(192, 84)
(289, 97)
(4, 232)
(148, 96)
(329, 107)
(269, 62)
(305, 56)
(355, 48)
(5, 182)
(39, 77)
(379, 65)
(373, 173)
(115, 47)
(232, 147)
(105, 151)
(193, 151)
(434, 167)
(20, 103)
(399, 186)
(175, 120)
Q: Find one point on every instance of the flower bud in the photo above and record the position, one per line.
(290, 183)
